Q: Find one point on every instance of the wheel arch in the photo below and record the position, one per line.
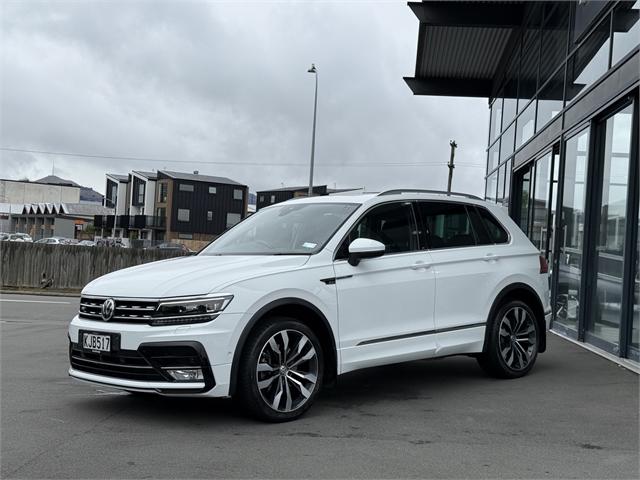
(302, 310)
(519, 291)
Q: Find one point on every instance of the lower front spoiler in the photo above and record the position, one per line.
(138, 386)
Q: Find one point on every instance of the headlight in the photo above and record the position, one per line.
(190, 310)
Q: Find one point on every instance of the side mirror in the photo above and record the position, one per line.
(364, 248)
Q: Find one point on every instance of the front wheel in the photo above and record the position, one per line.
(512, 344)
(281, 370)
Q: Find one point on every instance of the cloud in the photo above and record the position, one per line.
(227, 82)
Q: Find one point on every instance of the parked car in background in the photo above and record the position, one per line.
(4, 236)
(309, 289)
(173, 246)
(20, 237)
(55, 241)
(87, 243)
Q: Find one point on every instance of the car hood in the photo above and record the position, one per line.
(193, 275)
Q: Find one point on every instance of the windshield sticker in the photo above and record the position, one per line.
(309, 245)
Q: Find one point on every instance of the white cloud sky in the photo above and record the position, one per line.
(228, 82)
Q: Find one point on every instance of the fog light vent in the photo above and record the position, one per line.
(186, 374)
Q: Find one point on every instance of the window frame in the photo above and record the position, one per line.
(188, 187)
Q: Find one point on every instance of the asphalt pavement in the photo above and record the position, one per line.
(574, 416)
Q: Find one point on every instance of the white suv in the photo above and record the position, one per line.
(309, 289)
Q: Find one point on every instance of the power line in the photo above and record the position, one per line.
(240, 164)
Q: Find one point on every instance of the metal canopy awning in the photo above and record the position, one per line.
(461, 45)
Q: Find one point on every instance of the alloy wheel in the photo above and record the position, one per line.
(287, 370)
(517, 338)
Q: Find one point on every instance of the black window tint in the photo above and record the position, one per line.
(497, 233)
(391, 224)
(448, 224)
(482, 235)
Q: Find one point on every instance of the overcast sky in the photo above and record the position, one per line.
(226, 84)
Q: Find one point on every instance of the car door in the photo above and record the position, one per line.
(467, 272)
(385, 304)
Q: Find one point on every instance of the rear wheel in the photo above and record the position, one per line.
(281, 370)
(512, 344)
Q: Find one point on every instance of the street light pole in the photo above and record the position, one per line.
(313, 70)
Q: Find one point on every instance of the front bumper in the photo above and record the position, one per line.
(131, 366)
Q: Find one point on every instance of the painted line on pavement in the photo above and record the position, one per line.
(31, 301)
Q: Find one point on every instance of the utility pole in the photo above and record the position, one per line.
(451, 166)
(313, 70)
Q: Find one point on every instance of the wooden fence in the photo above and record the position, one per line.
(66, 267)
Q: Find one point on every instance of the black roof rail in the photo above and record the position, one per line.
(417, 190)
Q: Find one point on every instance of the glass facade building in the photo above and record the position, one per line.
(562, 151)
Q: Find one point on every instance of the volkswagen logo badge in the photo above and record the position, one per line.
(108, 307)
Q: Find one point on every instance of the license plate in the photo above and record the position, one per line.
(100, 343)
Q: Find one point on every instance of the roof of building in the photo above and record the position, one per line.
(90, 195)
(71, 209)
(462, 44)
(120, 178)
(147, 175)
(196, 177)
(55, 180)
(294, 189)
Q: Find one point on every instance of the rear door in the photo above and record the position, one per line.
(467, 268)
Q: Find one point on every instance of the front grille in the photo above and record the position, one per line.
(127, 364)
(126, 310)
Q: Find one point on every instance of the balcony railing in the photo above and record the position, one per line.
(129, 221)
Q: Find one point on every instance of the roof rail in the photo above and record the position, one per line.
(417, 190)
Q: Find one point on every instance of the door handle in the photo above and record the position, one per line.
(420, 266)
(490, 257)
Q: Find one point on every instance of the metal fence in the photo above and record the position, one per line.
(66, 267)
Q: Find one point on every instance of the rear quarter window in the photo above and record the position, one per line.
(494, 229)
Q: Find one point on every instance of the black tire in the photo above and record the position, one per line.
(511, 354)
(284, 377)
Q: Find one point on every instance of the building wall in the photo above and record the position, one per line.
(200, 201)
(573, 182)
(27, 192)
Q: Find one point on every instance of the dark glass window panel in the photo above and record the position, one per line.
(635, 332)
(496, 231)
(555, 31)
(492, 187)
(605, 321)
(526, 124)
(493, 156)
(572, 230)
(539, 234)
(506, 144)
(500, 190)
(626, 30)
(391, 224)
(448, 225)
(589, 62)
(496, 119)
(507, 183)
(510, 104)
(550, 99)
(528, 82)
(479, 228)
(525, 196)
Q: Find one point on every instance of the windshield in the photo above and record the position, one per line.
(287, 229)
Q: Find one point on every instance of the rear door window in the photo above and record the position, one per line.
(448, 225)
